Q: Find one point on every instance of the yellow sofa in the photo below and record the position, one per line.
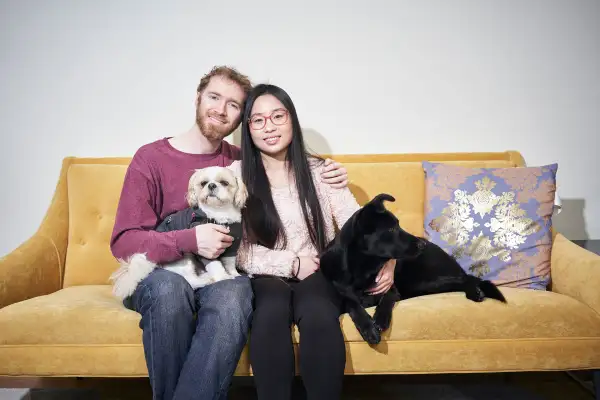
(58, 317)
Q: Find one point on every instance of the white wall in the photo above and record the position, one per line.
(101, 78)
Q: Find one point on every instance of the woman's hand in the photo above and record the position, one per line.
(385, 278)
(334, 174)
(307, 266)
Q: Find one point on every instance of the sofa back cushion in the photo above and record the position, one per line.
(94, 191)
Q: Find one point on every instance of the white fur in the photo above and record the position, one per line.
(224, 206)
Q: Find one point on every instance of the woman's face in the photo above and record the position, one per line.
(270, 126)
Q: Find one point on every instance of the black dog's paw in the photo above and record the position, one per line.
(371, 334)
(476, 295)
(382, 320)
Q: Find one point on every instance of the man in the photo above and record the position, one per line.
(192, 339)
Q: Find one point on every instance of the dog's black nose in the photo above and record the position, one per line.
(212, 186)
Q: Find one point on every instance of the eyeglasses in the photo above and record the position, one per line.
(278, 117)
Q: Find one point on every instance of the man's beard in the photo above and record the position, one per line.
(209, 130)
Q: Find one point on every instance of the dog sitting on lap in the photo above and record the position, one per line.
(215, 195)
(370, 238)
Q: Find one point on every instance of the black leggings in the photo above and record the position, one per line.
(313, 305)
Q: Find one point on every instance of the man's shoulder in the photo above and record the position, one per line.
(150, 150)
(157, 154)
(151, 155)
(231, 151)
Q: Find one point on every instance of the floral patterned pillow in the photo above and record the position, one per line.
(496, 222)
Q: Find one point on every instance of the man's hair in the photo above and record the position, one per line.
(229, 73)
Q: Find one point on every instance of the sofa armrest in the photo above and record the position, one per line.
(575, 272)
(36, 267)
(32, 269)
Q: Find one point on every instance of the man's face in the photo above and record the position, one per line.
(219, 108)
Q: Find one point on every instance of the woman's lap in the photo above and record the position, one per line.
(295, 299)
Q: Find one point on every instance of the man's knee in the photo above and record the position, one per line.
(232, 298)
(164, 292)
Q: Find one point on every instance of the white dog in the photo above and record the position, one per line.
(215, 195)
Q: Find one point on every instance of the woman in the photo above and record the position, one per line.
(288, 219)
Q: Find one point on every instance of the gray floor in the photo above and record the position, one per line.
(403, 392)
(549, 386)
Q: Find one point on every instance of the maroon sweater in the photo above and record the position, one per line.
(155, 186)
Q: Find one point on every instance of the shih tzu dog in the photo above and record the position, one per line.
(215, 195)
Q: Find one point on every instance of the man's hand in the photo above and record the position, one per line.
(308, 266)
(334, 174)
(212, 240)
(385, 278)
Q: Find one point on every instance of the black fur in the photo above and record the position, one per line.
(373, 236)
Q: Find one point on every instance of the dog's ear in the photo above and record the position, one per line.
(378, 200)
(241, 194)
(190, 196)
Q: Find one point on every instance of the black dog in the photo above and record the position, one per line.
(370, 238)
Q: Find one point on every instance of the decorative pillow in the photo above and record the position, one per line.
(496, 222)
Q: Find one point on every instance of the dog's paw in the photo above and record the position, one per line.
(371, 334)
(476, 295)
(382, 321)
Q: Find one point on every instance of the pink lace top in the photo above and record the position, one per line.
(337, 206)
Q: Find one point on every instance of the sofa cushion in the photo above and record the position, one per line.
(450, 316)
(81, 315)
(94, 191)
(91, 315)
(86, 329)
(495, 221)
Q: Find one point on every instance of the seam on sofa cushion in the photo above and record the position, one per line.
(468, 341)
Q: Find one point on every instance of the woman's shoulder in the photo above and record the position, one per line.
(316, 164)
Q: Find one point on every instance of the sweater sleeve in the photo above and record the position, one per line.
(342, 202)
(136, 220)
(260, 260)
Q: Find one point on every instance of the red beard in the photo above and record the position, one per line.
(211, 131)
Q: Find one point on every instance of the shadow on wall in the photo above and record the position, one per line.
(571, 220)
(313, 140)
(236, 137)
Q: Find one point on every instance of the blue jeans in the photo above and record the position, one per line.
(192, 339)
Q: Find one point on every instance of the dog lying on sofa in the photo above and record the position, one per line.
(370, 238)
(215, 195)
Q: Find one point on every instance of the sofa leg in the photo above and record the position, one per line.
(597, 383)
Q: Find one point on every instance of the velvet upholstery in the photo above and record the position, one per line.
(59, 318)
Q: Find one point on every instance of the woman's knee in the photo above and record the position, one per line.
(272, 303)
(272, 316)
(318, 315)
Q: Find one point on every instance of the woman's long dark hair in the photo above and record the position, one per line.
(261, 222)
